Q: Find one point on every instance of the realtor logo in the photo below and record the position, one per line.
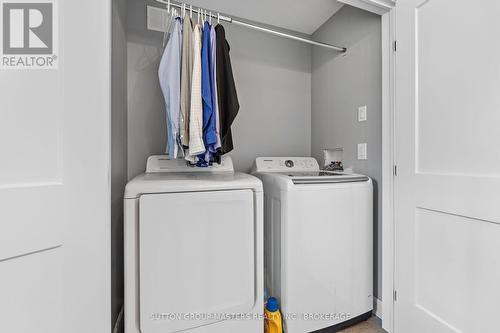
(29, 39)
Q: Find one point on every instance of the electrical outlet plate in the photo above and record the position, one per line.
(362, 113)
(362, 151)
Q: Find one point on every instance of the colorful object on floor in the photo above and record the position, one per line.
(273, 322)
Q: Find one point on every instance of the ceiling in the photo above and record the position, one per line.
(304, 16)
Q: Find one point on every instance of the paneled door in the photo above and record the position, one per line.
(54, 171)
(447, 188)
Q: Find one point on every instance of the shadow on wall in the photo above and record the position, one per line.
(146, 110)
(353, 32)
(257, 47)
(146, 114)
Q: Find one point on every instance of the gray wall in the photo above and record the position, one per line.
(118, 149)
(342, 83)
(273, 78)
(146, 116)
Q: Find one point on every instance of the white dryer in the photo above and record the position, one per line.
(318, 243)
(193, 249)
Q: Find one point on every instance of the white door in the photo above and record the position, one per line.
(448, 166)
(54, 192)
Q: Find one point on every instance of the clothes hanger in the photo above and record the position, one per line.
(210, 18)
(218, 18)
(169, 23)
(191, 11)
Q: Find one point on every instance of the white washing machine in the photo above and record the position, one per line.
(318, 243)
(193, 249)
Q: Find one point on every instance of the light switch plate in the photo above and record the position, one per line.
(362, 113)
(362, 151)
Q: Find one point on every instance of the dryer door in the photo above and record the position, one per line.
(196, 258)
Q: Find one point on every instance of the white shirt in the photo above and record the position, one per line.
(196, 144)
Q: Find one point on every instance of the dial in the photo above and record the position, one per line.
(289, 163)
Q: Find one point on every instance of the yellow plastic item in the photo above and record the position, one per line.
(273, 322)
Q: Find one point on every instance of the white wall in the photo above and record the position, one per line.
(273, 78)
(340, 84)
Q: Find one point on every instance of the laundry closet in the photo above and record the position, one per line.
(296, 99)
(82, 115)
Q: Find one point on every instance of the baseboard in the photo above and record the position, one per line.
(377, 307)
(348, 323)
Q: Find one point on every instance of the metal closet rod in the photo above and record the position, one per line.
(209, 13)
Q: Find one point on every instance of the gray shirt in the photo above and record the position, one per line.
(186, 78)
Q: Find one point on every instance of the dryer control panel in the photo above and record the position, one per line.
(281, 164)
(163, 163)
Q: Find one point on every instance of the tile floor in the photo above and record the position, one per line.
(372, 325)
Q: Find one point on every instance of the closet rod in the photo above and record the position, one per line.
(225, 18)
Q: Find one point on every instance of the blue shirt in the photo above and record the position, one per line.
(209, 125)
(169, 74)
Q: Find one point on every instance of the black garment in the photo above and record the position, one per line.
(226, 91)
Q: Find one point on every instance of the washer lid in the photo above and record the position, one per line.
(302, 171)
(324, 177)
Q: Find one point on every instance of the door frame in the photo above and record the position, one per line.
(385, 8)
(389, 170)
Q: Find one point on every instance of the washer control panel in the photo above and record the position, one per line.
(284, 164)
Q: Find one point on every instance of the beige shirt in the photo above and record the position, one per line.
(196, 144)
(186, 77)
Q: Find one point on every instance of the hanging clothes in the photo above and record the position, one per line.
(226, 91)
(186, 78)
(209, 131)
(168, 27)
(169, 74)
(215, 102)
(196, 145)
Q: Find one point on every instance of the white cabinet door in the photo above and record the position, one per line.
(448, 157)
(54, 182)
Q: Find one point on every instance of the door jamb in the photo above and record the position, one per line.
(389, 170)
(385, 8)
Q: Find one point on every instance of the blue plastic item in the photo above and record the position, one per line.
(272, 304)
